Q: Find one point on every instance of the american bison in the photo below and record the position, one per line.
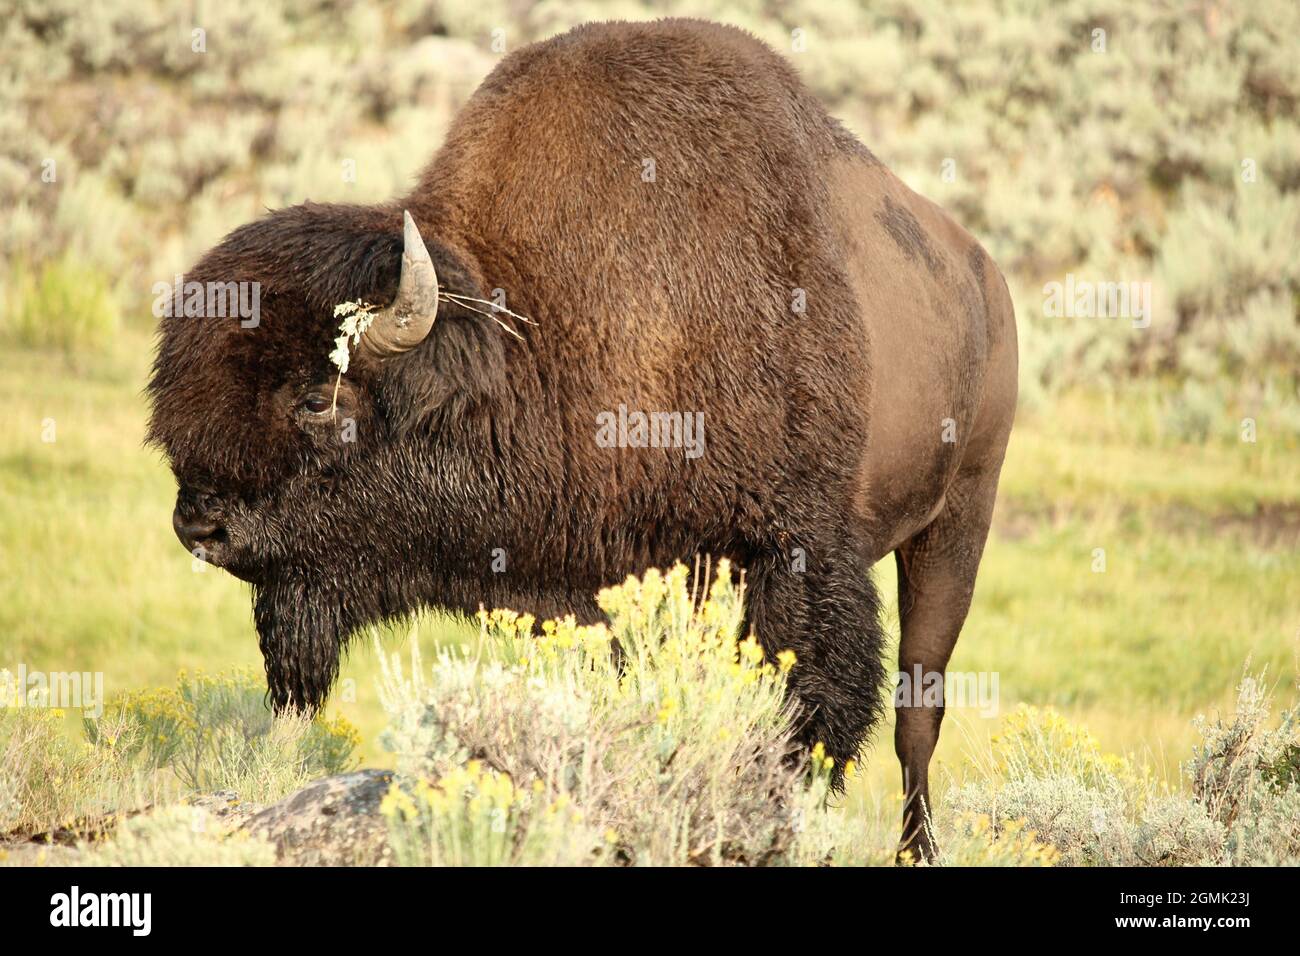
(690, 234)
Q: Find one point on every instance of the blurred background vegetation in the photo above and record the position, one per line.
(1164, 150)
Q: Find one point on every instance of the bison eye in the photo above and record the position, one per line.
(317, 404)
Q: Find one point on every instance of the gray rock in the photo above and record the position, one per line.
(226, 808)
(332, 822)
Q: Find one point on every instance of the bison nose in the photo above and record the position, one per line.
(199, 535)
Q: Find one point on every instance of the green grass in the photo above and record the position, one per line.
(63, 305)
(1200, 541)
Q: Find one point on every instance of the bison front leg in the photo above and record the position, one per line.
(936, 578)
(818, 600)
(301, 632)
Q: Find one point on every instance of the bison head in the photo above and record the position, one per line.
(330, 495)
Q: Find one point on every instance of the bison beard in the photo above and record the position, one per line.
(301, 629)
(850, 350)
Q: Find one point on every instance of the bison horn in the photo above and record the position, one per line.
(404, 324)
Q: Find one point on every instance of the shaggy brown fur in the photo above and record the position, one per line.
(872, 420)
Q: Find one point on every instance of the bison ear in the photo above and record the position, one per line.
(461, 359)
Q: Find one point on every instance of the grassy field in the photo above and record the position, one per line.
(1144, 554)
(1200, 540)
